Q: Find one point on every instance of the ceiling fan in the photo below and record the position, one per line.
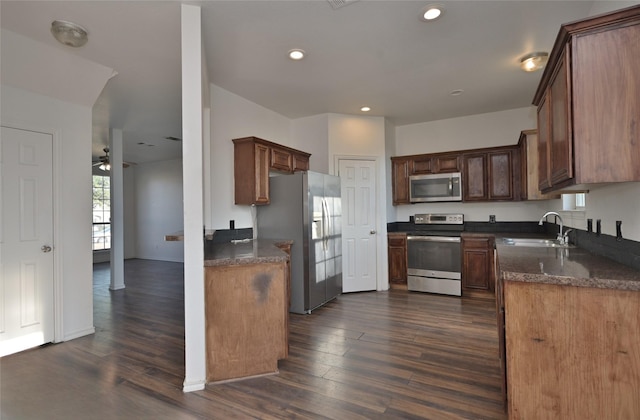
(103, 162)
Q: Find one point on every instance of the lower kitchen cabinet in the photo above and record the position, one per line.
(246, 319)
(397, 249)
(477, 263)
(572, 352)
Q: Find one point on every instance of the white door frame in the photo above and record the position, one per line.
(56, 178)
(382, 278)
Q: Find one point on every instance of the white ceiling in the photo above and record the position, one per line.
(377, 53)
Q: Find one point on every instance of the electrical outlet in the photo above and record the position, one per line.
(590, 225)
(492, 218)
(618, 230)
(598, 227)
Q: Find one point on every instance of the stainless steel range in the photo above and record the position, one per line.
(434, 254)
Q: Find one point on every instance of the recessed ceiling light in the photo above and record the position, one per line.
(365, 109)
(69, 33)
(534, 61)
(431, 12)
(296, 54)
(456, 92)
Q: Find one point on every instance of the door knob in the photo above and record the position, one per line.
(372, 232)
(46, 248)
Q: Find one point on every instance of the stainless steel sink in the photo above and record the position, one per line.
(535, 242)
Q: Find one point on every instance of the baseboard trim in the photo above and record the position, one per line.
(79, 333)
(193, 386)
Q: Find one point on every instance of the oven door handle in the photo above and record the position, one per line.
(434, 238)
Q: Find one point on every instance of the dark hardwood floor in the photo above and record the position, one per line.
(377, 355)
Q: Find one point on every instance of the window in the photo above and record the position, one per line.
(574, 202)
(101, 236)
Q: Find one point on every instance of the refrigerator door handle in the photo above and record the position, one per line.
(329, 227)
(325, 225)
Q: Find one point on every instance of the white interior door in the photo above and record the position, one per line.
(358, 187)
(26, 240)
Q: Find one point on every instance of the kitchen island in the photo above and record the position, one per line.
(246, 298)
(571, 337)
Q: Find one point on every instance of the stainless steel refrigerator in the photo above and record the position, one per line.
(306, 208)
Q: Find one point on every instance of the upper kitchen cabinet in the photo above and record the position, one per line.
(400, 180)
(589, 103)
(489, 174)
(405, 166)
(254, 158)
(438, 163)
(530, 187)
(492, 174)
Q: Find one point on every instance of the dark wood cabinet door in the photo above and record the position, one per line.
(606, 112)
(544, 140)
(435, 164)
(300, 162)
(281, 160)
(475, 177)
(447, 163)
(477, 261)
(501, 175)
(397, 250)
(561, 162)
(422, 165)
(262, 174)
(400, 181)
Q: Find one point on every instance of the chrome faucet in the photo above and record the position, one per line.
(561, 238)
(565, 237)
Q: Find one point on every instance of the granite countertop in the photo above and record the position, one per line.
(563, 266)
(250, 252)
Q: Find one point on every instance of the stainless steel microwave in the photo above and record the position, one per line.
(436, 187)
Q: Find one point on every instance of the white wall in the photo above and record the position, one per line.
(233, 117)
(475, 131)
(607, 6)
(158, 209)
(71, 126)
(608, 203)
(616, 202)
(310, 135)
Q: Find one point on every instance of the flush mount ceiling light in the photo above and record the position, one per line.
(69, 33)
(365, 109)
(296, 54)
(431, 12)
(534, 61)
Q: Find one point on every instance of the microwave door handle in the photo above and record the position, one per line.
(450, 186)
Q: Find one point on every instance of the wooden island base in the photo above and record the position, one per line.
(246, 319)
(572, 352)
